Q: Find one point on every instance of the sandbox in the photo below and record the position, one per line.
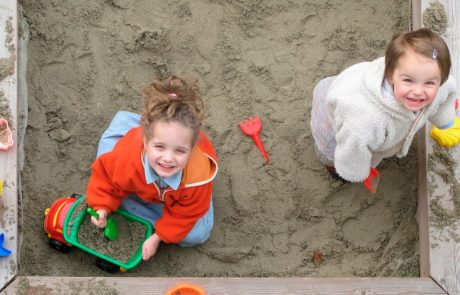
(88, 59)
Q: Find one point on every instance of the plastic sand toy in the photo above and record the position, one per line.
(251, 127)
(6, 136)
(186, 289)
(64, 221)
(3, 250)
(372, 181)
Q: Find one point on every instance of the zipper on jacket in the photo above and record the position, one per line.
(160, 192)
(162, 196)
(411, 134)
(422, 112)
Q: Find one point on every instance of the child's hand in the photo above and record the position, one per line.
(100, 222)
(447, 137)
(150, 246)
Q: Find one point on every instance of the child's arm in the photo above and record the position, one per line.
(352, 157)
(449, 134)
(447, 126)
(102, 192)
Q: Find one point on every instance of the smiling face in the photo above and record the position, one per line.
(169, 148)
(416, 80)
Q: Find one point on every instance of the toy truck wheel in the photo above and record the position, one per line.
(107, 266)
(59, 246)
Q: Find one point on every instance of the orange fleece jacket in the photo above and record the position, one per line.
(120, 172)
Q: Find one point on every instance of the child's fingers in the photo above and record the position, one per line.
(101, 222)
(94, 221)
(149, 248)
(102, 214)
(102, 218)
(146, 253)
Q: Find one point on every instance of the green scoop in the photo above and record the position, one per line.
(110, 230)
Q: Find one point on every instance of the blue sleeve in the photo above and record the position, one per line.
(120, 125)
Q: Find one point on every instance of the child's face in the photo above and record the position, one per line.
(416, 80)
(169, 148)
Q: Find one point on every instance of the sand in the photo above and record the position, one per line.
(89, 59)
(7, 69)
(122, 241)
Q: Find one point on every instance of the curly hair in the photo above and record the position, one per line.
(172, 99)
(424, 42)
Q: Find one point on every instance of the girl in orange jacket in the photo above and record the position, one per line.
(159, 166)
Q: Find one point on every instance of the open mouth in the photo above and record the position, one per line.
(165, 166)
(415, 100)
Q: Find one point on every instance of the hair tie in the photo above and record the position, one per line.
(435, 54)
(172, 94)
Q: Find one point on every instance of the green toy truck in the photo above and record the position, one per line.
(67, 223)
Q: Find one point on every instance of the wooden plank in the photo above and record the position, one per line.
(416, 14)
(453, 37)
(122, 285)
(422, 206)
(234, 286)
(444, 176)
(8, 159)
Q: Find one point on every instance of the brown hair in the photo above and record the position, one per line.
(422, 41)
(172, 99)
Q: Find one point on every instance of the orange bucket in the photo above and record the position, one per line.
(186, 289)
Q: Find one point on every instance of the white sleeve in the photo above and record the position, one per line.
(352, 158)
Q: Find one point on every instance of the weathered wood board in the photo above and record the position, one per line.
(233, 286)
(443, 169)
(443, 250)
(8, 159)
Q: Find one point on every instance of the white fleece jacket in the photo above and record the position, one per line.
(370, 126)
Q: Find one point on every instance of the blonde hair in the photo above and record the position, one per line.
(172, 99)
(422, 41)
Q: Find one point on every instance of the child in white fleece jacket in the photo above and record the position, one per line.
(372, 110)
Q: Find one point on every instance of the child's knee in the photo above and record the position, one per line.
(197, 237)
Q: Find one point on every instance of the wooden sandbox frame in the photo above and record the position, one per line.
(439, 263)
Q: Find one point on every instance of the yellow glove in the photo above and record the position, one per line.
(447, 137)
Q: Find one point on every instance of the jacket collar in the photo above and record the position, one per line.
(201, 168)
(374, 77)
(151, 176)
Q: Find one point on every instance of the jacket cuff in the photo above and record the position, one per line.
(164, 239)
(448, 125)
(102, 208)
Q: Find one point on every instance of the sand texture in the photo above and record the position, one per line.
(89, 59)
(7, 69)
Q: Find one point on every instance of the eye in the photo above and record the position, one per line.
(407, 80)
(181, 151)
(431, 83)
(159, 147)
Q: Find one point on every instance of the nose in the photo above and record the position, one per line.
(168, 156)
(417, 90)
